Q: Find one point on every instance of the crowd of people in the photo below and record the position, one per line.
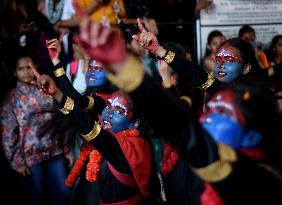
(102, 112)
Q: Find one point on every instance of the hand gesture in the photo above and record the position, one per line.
(54, 48)
(44, 82)
(23, 170)
(103, 44)
(146, 39)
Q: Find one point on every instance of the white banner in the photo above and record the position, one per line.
(264, 33)
(234, 12)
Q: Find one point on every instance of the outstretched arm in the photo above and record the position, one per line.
(90, 130)
(165, 113)
(85, 102)
(191, 72)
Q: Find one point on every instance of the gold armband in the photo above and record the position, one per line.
(68, 106)
(94, 132)
(59, 72)
(130, 77)
(169, 56)
(219, 169)
(187, 99)
(209, 82)
(90, 103)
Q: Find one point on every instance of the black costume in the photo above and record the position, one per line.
(237, 178)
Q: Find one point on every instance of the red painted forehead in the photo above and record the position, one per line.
(225, 102)
(228, 51)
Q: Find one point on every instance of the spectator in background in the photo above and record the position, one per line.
(33, 153)
(275, 50)
(247, 33)
(215, 39)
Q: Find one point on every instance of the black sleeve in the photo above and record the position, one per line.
(82, 101)
(105, 143)
(188, 71)
(174, 122)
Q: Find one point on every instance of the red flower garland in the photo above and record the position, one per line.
(170, 158)
(93, 166)
(95, 159)
(85, 151)
(127, 133)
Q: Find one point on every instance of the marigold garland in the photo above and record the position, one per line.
(128, 133)
(93, 166)
(95, 159)
(170, 158)
(85, 152)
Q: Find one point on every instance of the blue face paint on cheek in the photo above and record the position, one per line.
(228, 72)
(223, 129)
(96, 78)
(119, 122)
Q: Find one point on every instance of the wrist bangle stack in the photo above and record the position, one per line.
(169, 56)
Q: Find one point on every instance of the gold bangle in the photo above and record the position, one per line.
(219, 169)
(130, 77)
(59, 72)
(90, 103)
(209, 82)
(94, 132)
(68, 106)
(187, 99)
(168, 58)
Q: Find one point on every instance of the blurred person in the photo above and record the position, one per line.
(248, 34)
(32, 152)
(215, 39)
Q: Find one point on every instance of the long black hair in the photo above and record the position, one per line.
(271, 53)
(256, 104)
(248, 56)
(212, 34)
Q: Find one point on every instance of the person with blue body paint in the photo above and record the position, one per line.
(232, 161)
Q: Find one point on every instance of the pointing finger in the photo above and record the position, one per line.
(140, 25)
(35, 72)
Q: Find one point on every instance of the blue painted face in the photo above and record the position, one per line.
(96, 75)
(225, 122)
(223, 129)
(115, 116)
(228, 66)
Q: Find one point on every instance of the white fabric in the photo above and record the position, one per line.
(79, 82)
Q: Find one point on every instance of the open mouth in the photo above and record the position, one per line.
(92, 79)
(221, 74)
(107, 125)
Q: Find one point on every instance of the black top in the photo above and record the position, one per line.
(250, 179)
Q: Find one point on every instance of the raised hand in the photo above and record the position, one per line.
(54, 48)
(44, 82)
(146, 39)
(105, 45)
